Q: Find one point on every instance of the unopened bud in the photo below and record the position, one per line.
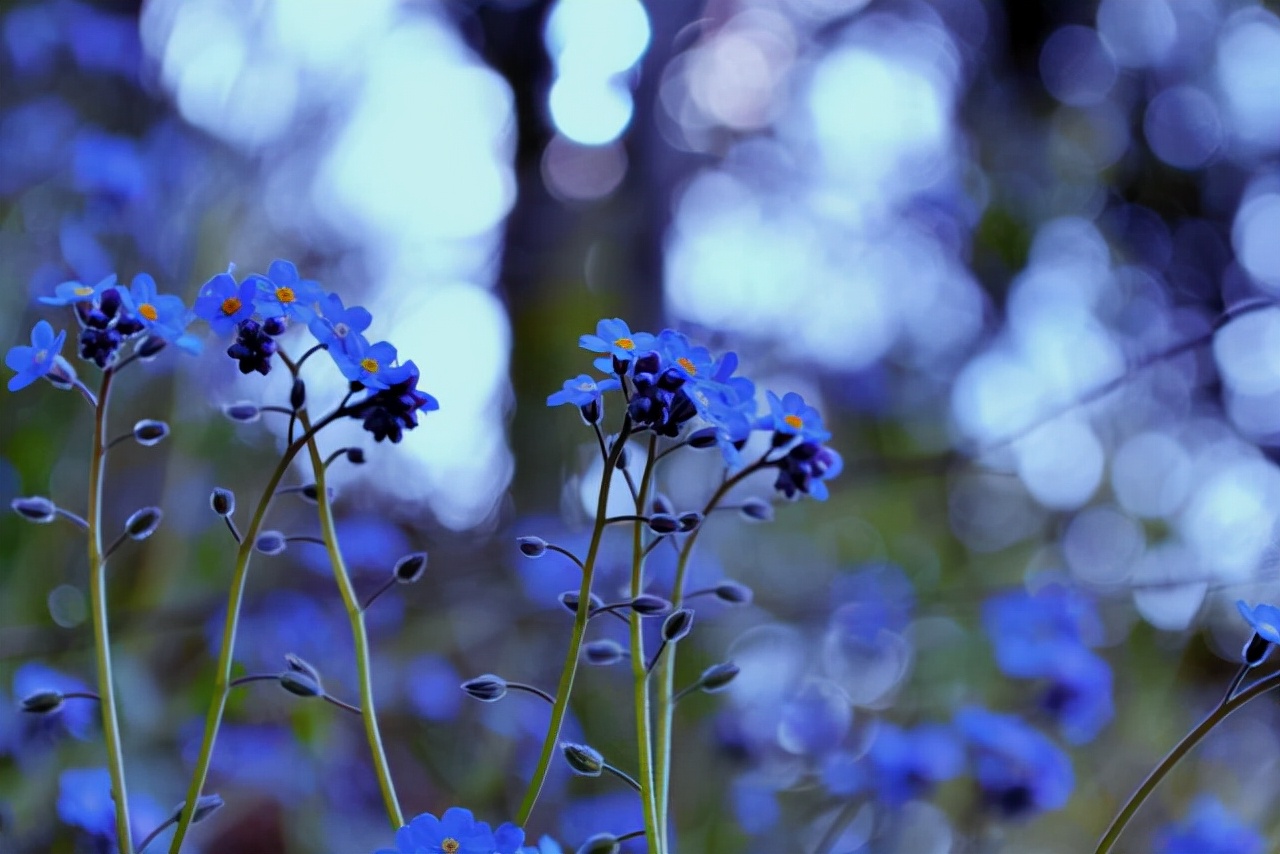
(718, 676)
(733, 593)
(663, 523)
(148, 432)
(662, 504)
(35, 509)
(585, 761)
(677, 626)
(410, 567)
(143, 523)
(300, 683)
(648, 605)
(592, 411)
(274, 326)
(270, 543)
(487, 688)
(355, 456)
(150, 347)
(603, 652)
(704, 438)
(532, 546)
(1255, 650)
(689, 521)
(223, 501)
(570, 599)
(300, 665)
(297, 394)
(244, 412)
(43, 702)
(600, 843)
(757, 510)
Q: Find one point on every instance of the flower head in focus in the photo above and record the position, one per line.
(455, 832)
(223, 303)
(283, 293)
(32, 363)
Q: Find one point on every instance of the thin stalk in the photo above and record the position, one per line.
(235, 599)
(359, 636)
(101, 634)
(1190, 740)
(666, 668)
(837, 826)
(570, 669)
(639, 670)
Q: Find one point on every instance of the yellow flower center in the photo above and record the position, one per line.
(40, 356)
(148, 311)
(285, 295)
(83, 291)
(371, 365)
(450, 845)
(795, 422)
(625, 343)
(687, 365)
(231, 305)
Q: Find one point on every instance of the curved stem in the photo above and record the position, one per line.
(841, 821)
(359, 636)
(570, 669)
(235, 598)
(101, 634)
(665, 669)
(1190, 740)
(639, 668)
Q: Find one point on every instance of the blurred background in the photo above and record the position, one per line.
(992, 241)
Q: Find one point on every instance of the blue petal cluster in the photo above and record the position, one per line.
(673, 387)
(1209, 829)
(455, 832)
(1018, 769)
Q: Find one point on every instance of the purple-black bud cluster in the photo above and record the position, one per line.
(105, 323)
(659, 402)
(253, 347)
(803, 469)
(387, 413)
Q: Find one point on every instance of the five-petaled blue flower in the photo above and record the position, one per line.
(69, 293)
(676, 351)
(223, 303)
(455, 832)
(283, 293)
(336, 324)
(790, 416)
(371, 365)
(1263, 619)
(156, 310)
(582, 390)
(615, 339)
(32, 363)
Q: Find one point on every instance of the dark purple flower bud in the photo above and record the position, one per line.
(600, 843)
(663, 524)
(223, 501)
(704, 438)
(410, 567)
(569, 599)
(311, 494)
(244, 412)
(662, 504)
(733, 593)
(688, 521)
(143, 523)
(43, 702)
(718, 676)
(300, 683)
(274, 326)
(271, 543)
(148, 432)
(648, 363)
(603, 652)
(150, 347)
(35, 509)
(532, 547)
(1255, 650)
(585, 761)
(648, 605)
(206, 805)
(355, 456)
(757, 510)
(298, 394)
(677, 626)
(487, 688)
(109, 302)
(592, 411)
(300, 665)
(671, 379)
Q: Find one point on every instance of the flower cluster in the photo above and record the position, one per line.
(256, 310)
(668, 383)
(455, 832)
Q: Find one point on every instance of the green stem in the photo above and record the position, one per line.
(360, 637)
(235, 598)
(639, 670)
(1190, 740)
(101, 634)
(666, 668)
(570, 668)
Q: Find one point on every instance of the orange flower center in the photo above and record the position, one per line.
(285, 295)
(231, 305)
(148, 311)
(371, 365)
(687, 365)
(625, 343)
(795, 422)
(450, 845)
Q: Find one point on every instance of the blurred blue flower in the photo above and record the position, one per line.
(791, 417)
(107, 164)
(222, 303)
(82, 249)
(1263, 619)
(32, 363)
(1209, 829)
(432, 683)
(455, 832)
(32, 37)
(266, 758)
(583, 817)
(33, 140)
(283, 293)
(1018, 769)
(755, 804)
(1030, 632)
(1079, 695)
(85, 802)
(614, 338)
(844, 773)
(69, 293)
(546, 845)
(78, 718)
(907, 763)
(101, 41)
(875, 598)
(816, 720)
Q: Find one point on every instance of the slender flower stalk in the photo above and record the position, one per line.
(359, 636)
(235, 599)
(665, 669)
(101, 634)
(570, 669)
(644, 718)
(1220, 713)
